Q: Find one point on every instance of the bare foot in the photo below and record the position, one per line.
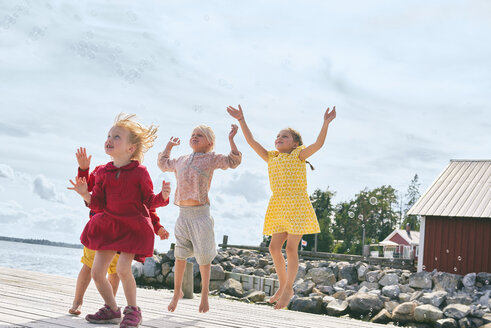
(276, 296)
(285, 298)
(204, 306)
(75, 309)
(173, 303)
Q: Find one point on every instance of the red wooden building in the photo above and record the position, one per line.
(402, 244)
(455, 231)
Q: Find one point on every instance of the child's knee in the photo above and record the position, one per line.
(291, 249)
(274, 248)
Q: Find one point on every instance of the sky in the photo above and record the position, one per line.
(410, 82)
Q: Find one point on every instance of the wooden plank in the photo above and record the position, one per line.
(42, 300)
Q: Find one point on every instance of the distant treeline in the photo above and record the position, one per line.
(41, 242)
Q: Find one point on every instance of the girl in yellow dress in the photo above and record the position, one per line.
(290, 214)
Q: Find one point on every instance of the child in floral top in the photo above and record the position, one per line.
(194, 226)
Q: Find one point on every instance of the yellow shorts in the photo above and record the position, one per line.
(88, 260)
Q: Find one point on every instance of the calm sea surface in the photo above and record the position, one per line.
(61, 261)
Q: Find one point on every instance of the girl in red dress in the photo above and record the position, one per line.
(122, 197)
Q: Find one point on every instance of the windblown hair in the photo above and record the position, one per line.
(297, 137)
(141, 136)
(209, 134)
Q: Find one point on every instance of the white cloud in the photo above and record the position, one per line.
(46, 189)
(12, 212)
(6, 171)
(251, 186)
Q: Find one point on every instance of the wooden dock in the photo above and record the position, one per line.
(32, 299)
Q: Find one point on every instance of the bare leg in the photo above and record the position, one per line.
(205, 287)
(83, 281)
(277, 241)
(292, 258)
(127, 280)
(113, 279)
(99, 271)
(178, 276)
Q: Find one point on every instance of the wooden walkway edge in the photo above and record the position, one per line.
(33, 299)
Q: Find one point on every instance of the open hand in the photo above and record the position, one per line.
(235, 113)
(82, 159)
(80, 186)
(163, 234)
(165, 189)
(233, 131)
(330, 115)
(174, 141)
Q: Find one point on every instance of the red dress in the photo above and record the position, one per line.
(120, 199)
(90, 184)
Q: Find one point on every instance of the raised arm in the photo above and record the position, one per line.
(239, 116)
(310, 150)
(231, 136)
(164, 162)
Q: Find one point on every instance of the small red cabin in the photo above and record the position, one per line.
(455, 230)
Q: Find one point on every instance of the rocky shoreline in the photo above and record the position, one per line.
(342, 289)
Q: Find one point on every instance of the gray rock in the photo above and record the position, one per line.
(238, 270)
(406, 289)
(465, 323)
(307, 304)
(321, 276)
(341, 295)
(263, 262)
(435, 298)
(484, 278)
(459, 299)
(166, 268)
(303, 288)
(446, 323)
(215, 285)
(404, 312)
(137, 269)
(326, 289)
(170, 255)
(427, 313)
(341, 283)
(227, 266)
(337, 308)
(392, 291)
(403, 297)
(484, 299)
(469, 280)
(232, 287)
(456, 311)
(365, 303)
(361, 270)
(249, 270)
(169, 280)
(383, 316)
(389, 280)
(391, 305)
(416, 295)
(446, 281)
(373, 276)
(327, 299)
(256, 296)
(476, 311)
(347, 271)
(236, 260)
(370, 285)
(251, 263)
(260, 273)
(217, 272)
(421, 280)
(302, 271)
(151, 267)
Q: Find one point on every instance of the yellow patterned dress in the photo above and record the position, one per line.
(289, 209)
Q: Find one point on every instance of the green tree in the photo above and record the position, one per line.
(411, 197)
(322, 203)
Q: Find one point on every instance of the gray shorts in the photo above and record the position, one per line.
(194, 234)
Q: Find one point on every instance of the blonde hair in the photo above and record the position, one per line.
(141, 136)
(297, 137)
(209, 134)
